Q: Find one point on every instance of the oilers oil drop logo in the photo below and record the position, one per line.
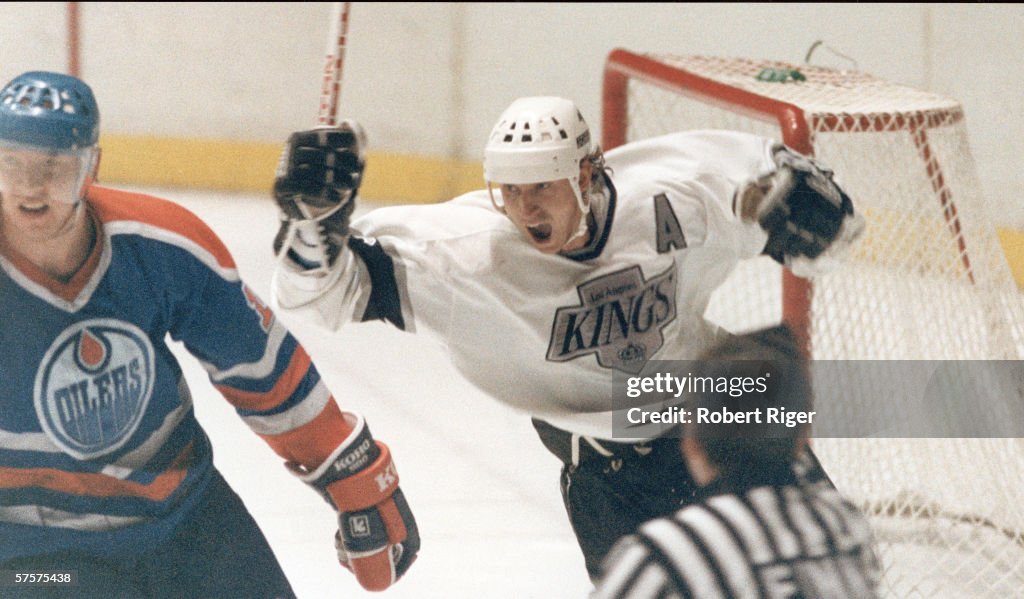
(93, 386)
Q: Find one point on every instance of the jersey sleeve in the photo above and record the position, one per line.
(395, 267)
(366, 282)
(249, 355)
(709, 218)
(694, 177)
(346, 292)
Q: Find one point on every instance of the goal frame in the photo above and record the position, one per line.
(796, 133)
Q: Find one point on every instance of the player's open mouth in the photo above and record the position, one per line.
(32, 208)
(540, 233)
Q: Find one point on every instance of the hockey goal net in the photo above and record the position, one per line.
(927, 281)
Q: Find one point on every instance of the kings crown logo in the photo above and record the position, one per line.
(619, 319)
(93, 386)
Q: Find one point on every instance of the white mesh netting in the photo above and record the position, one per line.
(928, 281)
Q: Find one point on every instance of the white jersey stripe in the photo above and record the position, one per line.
(294, 417)
(727, 553)
(814, 529)
(142, 229)
(40, 515)
(833, 521)
(766, 506)
(629, 558)
(741, 544)
(259, 369)
(745, 523)
(38, 442)
(808, 524)
(683, 556)
(650, 583)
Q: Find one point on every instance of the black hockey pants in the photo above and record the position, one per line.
(610, 489)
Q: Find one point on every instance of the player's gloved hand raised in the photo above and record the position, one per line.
(377, 538)
(320, 168)
(801, 208)
(315, 187)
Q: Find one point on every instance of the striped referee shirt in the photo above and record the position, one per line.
(777, 542)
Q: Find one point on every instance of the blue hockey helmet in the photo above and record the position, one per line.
(44, 113)
(49, 111)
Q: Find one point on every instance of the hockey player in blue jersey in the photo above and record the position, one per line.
(104, 470)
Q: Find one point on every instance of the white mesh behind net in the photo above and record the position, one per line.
(928, 281)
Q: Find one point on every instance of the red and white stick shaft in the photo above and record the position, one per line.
(334, 61)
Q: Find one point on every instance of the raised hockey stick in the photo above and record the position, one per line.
(330, 89)
(334, 62)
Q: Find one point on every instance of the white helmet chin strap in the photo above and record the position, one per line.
(584, 205)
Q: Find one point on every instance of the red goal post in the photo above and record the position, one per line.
(928, 281)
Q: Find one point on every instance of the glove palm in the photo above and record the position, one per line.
(315, 187)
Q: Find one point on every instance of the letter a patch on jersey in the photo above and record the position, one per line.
(669, 233)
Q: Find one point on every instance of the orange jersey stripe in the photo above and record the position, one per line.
(115, 205)
(99, 485)
(285, 386)
(313, 442)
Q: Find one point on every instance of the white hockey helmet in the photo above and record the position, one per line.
(538, 139)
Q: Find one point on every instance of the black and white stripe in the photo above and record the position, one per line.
(791, 541)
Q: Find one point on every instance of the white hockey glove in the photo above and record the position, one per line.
(809, 219)
(377, 537)
(315, 188)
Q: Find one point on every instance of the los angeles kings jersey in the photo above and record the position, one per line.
(100, 450)
(544, 333)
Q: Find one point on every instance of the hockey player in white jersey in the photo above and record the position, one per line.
(570, 265)
(755, 530)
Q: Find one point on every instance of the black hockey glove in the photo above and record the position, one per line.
(315, 188)
(800, 207)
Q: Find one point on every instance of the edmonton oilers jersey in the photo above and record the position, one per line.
(100, 450)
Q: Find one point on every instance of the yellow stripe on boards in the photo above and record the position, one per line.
(201, 164)
(249, 166)
(1013, 246)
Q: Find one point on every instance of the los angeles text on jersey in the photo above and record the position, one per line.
(723, 415)
(620, 319)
